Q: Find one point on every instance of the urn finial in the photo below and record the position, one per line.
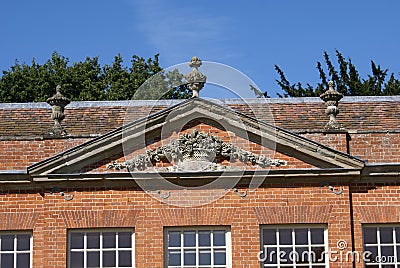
(332, 97)
(58, 102)
(195, 79)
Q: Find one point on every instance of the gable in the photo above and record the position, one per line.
(205, 128)
(164, 123)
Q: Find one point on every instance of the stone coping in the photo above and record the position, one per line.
(127, 103)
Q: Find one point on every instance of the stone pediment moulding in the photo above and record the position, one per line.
(195, 151)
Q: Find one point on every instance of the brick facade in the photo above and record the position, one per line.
(50, 216)
(289, 195)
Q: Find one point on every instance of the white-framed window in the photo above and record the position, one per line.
(381, 246)
(101, 248)
(294, 246)
(198, 247)
(16, 249)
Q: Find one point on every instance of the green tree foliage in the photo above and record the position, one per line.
(258, 93)
(346, 78)
(88, 80)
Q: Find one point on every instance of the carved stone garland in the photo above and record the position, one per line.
(195, 151)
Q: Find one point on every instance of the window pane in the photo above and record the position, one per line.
(387, 251)
(93, 259)
(76, 259)
(398, 253)
(7, 260)
(189, 257)
(269, 237)
(23, 242)
(205, 257)
(125, 258)
(219, 238)
(301, 255)
(124, 239)
(189, 239)
(219, 258)
(285, 236)
(109, 259)
(397, 231)
(109, 240)
(301, 236)
(174, 239)
(318, 254)
(386, 235)
(93, 240)
(317, 235)
(194, 248)
(174, 258)
(77, 240)
(271, 256)
(23, 260)
(204, 238)
(370, 235)
(85, 249)
(7, 242)
(370, 257)
(285, 255)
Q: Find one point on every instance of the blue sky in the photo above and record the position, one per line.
(251, 36)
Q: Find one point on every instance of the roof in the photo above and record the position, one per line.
(106, 121)
(138, 132)
(93, 118)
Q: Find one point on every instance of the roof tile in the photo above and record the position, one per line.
(303, 114)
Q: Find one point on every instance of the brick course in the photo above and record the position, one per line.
(371, 134)
(50, 217)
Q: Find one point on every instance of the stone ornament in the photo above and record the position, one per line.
(195, 151)
(58, 102)
(331, 97)
(195, 79)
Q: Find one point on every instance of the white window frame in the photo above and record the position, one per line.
(15, 251)
(378, 244)
(293, 245)
(197, 229)
(85, 250)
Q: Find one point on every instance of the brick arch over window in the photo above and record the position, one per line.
(378, 214)
(197, 216)
(100, 218)
(293, 214)
(18, 221)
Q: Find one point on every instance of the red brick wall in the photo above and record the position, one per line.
(114, 204)
(373, 147)
(50, 217)
(18, 154)
(213, 129)
(376, 147)
(336, 141)
(374, 203)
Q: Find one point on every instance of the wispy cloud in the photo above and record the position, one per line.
(179, 32)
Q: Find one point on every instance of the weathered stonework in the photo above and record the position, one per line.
(196, 151)
(58, 102)
(195, 79)
(331, 97)
(32, 199)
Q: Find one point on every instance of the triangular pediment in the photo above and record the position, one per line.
(164, 124)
